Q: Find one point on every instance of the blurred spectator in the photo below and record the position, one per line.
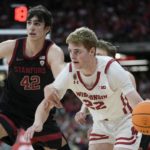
(119, 21)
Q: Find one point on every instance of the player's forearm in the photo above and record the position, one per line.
(134, 98)
(42, 113)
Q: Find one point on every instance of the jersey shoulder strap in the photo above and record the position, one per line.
(108, 65)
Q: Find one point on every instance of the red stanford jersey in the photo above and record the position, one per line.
(27, 77)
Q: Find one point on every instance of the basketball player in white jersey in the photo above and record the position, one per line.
(104, 48)
(97, 82)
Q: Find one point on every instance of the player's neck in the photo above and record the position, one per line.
(33, 47)
(90, 68)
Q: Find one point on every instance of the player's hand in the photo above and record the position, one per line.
(31, 130)
(148, 100)
(80, 117)
(52, 96)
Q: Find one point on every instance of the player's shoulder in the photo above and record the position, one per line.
(103, 60)
(55, 47)
(8, 44)
(129, 73)
(132, 78)
(55, 51)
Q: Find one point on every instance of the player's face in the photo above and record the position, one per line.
(36, 29)
(101, 52)
(79, 55)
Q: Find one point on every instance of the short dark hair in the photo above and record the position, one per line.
(42, 13)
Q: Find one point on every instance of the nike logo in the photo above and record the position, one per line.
(19, 59)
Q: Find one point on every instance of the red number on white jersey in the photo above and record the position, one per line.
(94, 105)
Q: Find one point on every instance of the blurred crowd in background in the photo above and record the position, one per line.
(115, 21)
(122, 21)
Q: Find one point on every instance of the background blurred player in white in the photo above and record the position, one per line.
(97, 82)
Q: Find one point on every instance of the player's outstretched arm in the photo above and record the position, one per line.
(6, 49)
(56, 64)
(41, 115)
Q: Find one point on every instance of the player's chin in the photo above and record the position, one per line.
(32, 37)
(76, 65)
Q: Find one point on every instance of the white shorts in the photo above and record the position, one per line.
(120, 133)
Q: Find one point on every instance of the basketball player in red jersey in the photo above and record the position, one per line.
(97, 82)
(33, 63)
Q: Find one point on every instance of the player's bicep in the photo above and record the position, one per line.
(6, 49)
(61, 82)
(132, 78)
(56, 60)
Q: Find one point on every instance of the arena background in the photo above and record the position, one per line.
(125, 23)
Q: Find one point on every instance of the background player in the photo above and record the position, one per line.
(33, 62)
(97, 82)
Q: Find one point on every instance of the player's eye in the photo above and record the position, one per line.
(28, 22)
(37, 24)
(77, 52)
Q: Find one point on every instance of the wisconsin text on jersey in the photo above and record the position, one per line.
(91, 97)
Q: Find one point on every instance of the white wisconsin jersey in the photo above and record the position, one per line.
(102, 102)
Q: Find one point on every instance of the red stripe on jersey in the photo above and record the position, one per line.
(125, 104)
(126, 141)
(10, 123)
(46, 55)
(128, 105)
(94, 136)
(108, 65)
(14, 53)
(125, 138)
(70, 67)
(100, 138)
(50, 137)
(97, 79)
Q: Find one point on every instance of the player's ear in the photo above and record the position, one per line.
(48, 29)
(92, 51)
